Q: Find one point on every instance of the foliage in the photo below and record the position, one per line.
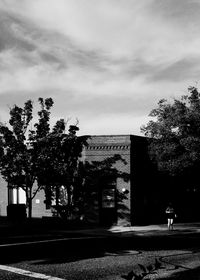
(77, 189)
(145, 271)
(48, 156)
(95, 175)
(175, 134)
(14, 152)
(58, 165)
(18, 155)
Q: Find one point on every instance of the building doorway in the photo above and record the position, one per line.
(108, 206)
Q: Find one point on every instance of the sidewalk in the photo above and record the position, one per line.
(160, 229)
(181, 228)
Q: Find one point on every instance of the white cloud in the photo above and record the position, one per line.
(117, 27)
(113, 125)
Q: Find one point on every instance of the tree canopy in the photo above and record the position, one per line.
(17, 163)
(48, 156)
(174, 135)
(58, 164)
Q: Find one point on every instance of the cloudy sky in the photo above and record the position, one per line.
(105, 62)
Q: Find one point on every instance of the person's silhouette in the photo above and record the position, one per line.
(170, 216)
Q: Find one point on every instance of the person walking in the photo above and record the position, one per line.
(170, 216)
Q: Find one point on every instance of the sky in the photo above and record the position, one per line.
(105, 63)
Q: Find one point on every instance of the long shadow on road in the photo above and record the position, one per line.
(33, 241)
(84, 247)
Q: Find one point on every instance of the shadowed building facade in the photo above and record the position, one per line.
(146, 191)
(109, 210)
(144, 196)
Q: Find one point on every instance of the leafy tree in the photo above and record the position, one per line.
(58, 165)
(91, 178)
(18, 156)
(76, 186)
(174, 135)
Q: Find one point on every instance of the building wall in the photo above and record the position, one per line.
(145, 196)
(3, 197)
(102, 147)
(38, 205)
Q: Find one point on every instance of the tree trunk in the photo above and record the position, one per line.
(57, 200)
(69, 203)
(29, 203)
(30, 208)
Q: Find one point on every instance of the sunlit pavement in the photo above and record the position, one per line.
(149, 230)
(162, 229)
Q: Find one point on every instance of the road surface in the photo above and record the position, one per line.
(102, 259)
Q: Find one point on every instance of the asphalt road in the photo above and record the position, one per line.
(92, 245)
(104, 257)
(112, 264)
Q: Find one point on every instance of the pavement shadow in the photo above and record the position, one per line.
(72, 243)
(69, 250)
(57, 251)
